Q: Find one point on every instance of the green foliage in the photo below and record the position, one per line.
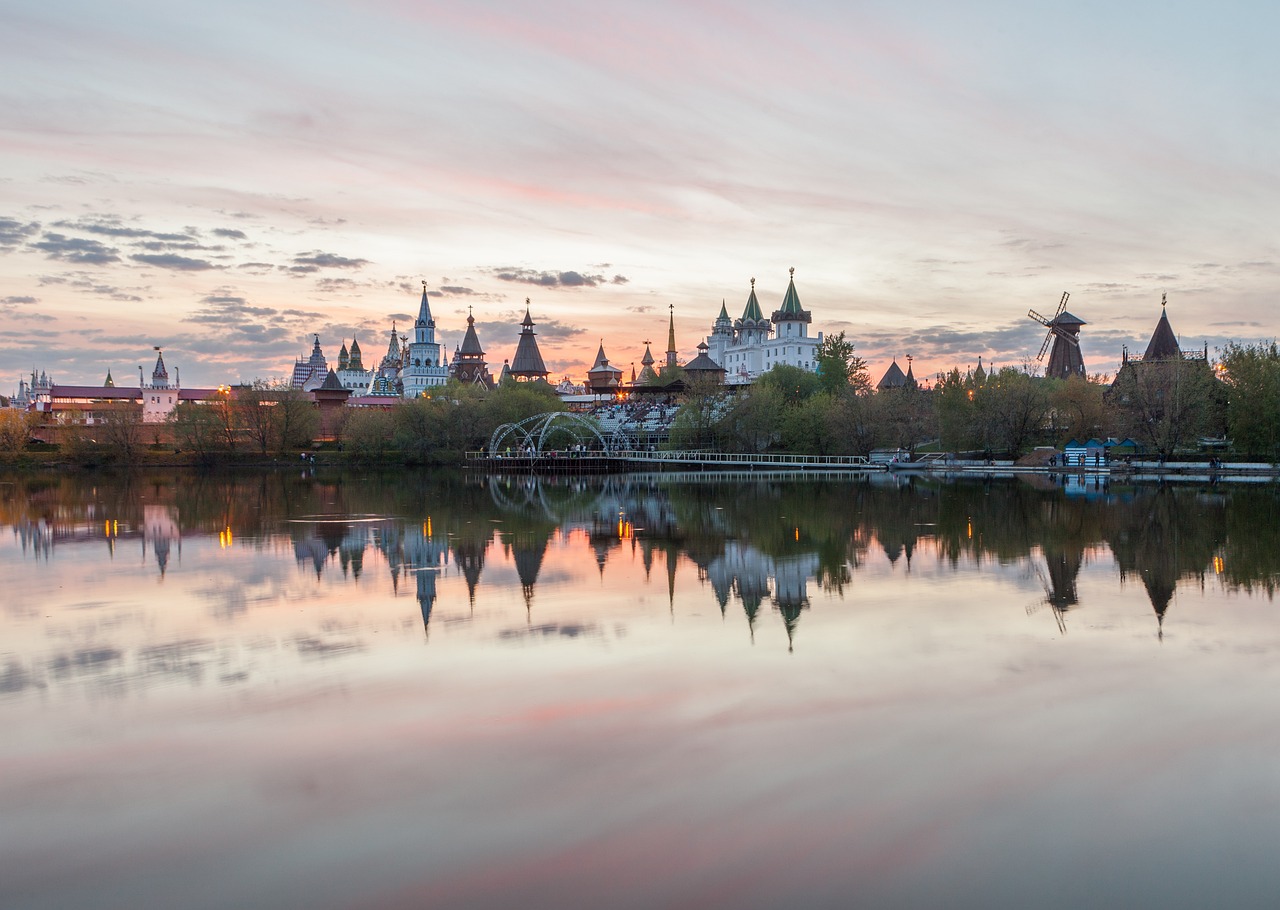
(902, 418)
(839, 367)
(428, 431)
(1167, 404)
(1252, 376)
(15, 429)
(366, 434)
(200, 429)
(791, 384)
(957, 412)
(1079, 409)
(1012, 408)
(696, 424)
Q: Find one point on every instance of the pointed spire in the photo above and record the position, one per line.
(424, 309)
(791, 301)
(159, 376)
(752, 310)
(671, 335)
(109, 383)
(1164, 343)
(528, 362)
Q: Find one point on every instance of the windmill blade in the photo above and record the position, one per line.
(1062, 305)
(1038, 318)
(1048, 340)
(1066, 336)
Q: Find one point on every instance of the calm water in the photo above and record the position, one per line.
(406, 690)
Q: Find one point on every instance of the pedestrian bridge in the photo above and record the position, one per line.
(604, 462)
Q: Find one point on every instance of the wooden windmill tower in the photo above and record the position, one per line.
(1063, 336)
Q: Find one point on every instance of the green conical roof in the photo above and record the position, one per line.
(791, 302)
(753, 310)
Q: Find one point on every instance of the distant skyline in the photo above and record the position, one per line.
(225, 182)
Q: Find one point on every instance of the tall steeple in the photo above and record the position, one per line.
(671, 335)
(468, 361)
(424, 361)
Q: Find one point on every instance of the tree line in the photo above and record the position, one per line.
(1164, 406)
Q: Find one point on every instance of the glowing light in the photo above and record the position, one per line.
(797, 533)
(1219, 565)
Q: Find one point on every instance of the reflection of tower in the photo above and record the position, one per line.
(1063, 563)
(468, 555)
(426, 593)
(160, 527)
(790, 590)
(527, 552)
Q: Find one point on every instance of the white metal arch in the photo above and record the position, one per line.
(532, 433)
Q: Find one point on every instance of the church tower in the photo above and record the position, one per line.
(528, 365)
(424, 365)
(468, 360)
(721, 335)
(671, 336)
(159, 398)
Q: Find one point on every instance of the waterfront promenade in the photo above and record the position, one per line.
(703, 461)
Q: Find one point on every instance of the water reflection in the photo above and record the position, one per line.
(753, 543)
(582, 678)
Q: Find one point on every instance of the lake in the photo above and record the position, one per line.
(327, 689)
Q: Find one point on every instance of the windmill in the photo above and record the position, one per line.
(1065, 360)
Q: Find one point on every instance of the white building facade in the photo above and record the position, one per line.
(751, 345)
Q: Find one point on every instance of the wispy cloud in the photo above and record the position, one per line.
(76, 249)
(314, 261)
(552, 279)
(174, 261)
(14, 232)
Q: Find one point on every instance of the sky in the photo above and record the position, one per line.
(226, 181)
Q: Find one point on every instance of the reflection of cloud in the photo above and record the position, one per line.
(319, 648)
(551, 630)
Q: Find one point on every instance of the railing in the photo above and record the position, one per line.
(663, 457)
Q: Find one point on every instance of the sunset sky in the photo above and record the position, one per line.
(224, 181)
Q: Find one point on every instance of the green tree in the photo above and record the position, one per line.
(1079, 408)
(851, 428)
(1252, 376)
(366, 434)
(703, 405)
(839, 367)
(1167, 404)
(199, 429)
(15, 429)
(123, 433)
(753, 423)
(792, 384)
(903, 418)
(956, 411)
(1012, 409)
(295, 419)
